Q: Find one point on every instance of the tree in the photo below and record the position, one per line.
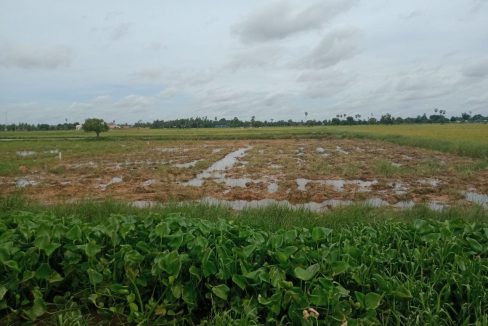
(96, 125)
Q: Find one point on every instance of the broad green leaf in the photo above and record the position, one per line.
(240, 281)
(372, 300)
(306, 274)
(94, 276)
(162, 229)
(221, 291)
(339, 267)
(74, 233)
(319, 233)
(475, 245)
(12, 264)
(92, 249)
(44, 271)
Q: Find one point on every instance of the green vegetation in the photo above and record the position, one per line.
(462, 139)
(106, 262)
(96, 125)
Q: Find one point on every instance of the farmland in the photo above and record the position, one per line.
(246, 226)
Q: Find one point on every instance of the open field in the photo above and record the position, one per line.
(463, 139)
(318, 173)
(253, 229)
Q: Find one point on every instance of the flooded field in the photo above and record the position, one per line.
(314, 174)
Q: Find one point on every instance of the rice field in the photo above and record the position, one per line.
(329, 226)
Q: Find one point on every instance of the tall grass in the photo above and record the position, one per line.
(270, 218)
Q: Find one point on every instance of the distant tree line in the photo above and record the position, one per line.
(439, 116)
(37, 127)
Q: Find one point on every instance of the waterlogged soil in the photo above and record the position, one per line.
(328, 172)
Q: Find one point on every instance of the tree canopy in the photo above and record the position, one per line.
(96, 125)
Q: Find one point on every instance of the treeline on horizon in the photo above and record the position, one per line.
(342, 119)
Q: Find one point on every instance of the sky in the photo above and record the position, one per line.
(146, 60)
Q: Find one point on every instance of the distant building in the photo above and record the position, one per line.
(78, 127)
(113, 125)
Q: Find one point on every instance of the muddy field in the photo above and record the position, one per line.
(318, 174)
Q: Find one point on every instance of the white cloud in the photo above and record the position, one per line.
(279, 20)
(338, 45)
(28, 56)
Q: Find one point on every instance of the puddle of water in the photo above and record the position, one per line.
(321, 151)
(272, 187)
(476, 198)
(302, 184)
(186, 165)
(376, 202)
(114, 180)
(300, 151)
(437, 206)
(171, 149)
(149, 182)
(238, 182)
(216, 169)
(25, 153)
(216, 150)
(24, 182)
(90, 164)
(430, 182)
(399, 187)
(340, 150)
(408, 204)
(337, 185)
(144, 204)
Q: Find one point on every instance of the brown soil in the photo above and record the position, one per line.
(148, 174)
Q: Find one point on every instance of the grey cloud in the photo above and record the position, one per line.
(29, 56)
(476, 5)
(423, 86)
(324, 84)
(134, 101)
(477, 103)
(477, 69)
(119, 31)
(233, 101)
(338, 45)
(279, 20)
(255, 57)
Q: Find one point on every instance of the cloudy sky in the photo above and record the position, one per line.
(146, 60)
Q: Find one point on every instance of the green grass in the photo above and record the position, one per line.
(462, 139)
(105, 263)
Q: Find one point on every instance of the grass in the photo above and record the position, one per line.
(269, 218)
(461, 139)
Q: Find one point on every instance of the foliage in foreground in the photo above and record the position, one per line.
(161, 269)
